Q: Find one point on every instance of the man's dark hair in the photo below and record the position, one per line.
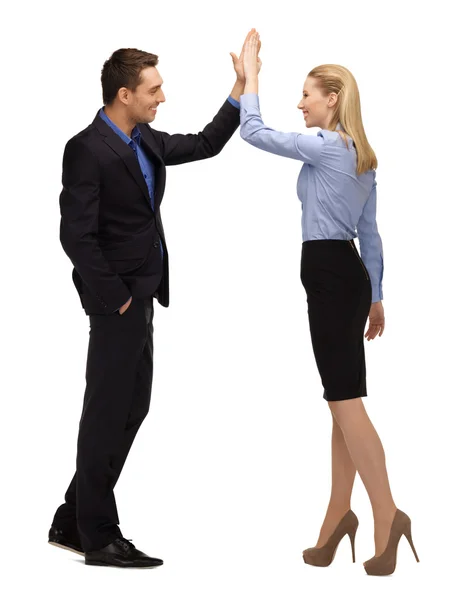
(123, 69)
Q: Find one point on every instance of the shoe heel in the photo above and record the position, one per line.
(352, 535)
(408, 534)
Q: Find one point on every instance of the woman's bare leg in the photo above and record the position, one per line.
(366, 451)
(343, 477)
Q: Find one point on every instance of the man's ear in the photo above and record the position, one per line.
(123, 94)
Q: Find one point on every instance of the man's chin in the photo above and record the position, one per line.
(146, 121)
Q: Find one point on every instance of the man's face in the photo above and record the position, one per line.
(144, 101)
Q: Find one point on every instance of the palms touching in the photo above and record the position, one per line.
(239, 63)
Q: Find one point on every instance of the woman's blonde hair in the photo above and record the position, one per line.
(347, 110)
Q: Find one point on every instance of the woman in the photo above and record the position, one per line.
(337, 189)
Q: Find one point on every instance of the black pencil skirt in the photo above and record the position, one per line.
(339, 297)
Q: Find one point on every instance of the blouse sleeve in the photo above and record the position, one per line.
(370, 244)
(306, 148)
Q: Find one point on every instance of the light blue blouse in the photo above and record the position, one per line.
(336, 202)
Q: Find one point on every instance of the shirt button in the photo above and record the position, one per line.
(145, 176)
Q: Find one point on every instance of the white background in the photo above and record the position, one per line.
(229, 477)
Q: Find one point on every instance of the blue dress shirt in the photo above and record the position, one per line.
(134, 142)
(336, 202)
(235, 103)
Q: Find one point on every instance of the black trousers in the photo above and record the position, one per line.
(119, 374)
(339, 297)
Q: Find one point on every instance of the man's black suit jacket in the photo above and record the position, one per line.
(108, 228)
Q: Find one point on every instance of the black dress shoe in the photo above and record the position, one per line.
(121, 553)
(62, 539)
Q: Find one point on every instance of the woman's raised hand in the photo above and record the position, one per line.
(238, 62)
(251, 61)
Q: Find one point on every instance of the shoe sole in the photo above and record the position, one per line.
(66, 548)
(97, 563)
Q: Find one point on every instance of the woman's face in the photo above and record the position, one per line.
(316, 108)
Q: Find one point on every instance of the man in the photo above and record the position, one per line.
(113, 183)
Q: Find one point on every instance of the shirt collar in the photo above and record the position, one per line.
(135, 134)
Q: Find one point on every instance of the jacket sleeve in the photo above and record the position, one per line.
(370, 244)
(79, 206)
(184, 148)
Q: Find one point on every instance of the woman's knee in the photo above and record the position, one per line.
(345, 409)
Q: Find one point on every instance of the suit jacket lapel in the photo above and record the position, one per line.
(124, 152)
(160, 169)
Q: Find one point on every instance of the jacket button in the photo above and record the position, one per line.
(156, 244)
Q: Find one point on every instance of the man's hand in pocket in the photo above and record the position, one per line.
(125, 306)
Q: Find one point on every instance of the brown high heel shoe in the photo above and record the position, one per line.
(322, 557)
(385, 563)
